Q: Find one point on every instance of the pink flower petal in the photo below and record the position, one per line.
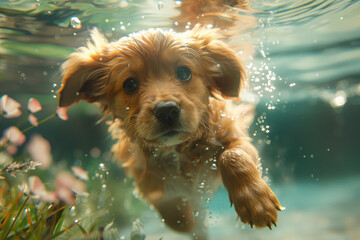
(33, 120)
(80, 173)
(36, 186)
(62, 114)
(67, 180)
(40, 151)
(14, 135)
(49, 197)
(38, 189)
(13, 114)
(66, 195)
(12, 149)
(33, 105)
(8, 104)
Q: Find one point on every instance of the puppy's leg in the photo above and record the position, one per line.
(179, 215)
(254, 201)
(176, 214)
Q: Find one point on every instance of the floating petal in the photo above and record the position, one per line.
(13, 114)
(36, 185)
(62, 114)
(33, 120)
(40, 151)
(80, 173)
(8, 104)
(34, 105)
(14, 135)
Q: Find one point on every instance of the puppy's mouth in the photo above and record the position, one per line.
(171, 137)
(170, 133)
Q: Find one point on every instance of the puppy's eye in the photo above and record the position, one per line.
(130, 86)
(183, 73)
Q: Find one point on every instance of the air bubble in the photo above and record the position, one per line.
(160, 4)
(213, 166)
(75, 23)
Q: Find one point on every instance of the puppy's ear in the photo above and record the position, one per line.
(84, 74)
(226, 70)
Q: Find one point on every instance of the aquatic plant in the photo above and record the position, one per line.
(28, 210)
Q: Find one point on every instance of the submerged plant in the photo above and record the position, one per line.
(28, 210)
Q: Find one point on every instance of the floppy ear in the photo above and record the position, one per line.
(226, 70)
(84, 73)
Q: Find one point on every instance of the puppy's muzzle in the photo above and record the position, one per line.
(167, 113)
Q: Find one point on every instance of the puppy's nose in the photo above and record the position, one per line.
(167, 112)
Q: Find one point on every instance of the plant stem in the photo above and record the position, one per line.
(40, 122)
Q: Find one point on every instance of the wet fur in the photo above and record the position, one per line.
(174, 174)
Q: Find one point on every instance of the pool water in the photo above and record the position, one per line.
(304, 76)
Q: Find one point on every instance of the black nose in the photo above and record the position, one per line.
(167, 112)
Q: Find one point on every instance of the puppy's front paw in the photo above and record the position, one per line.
(256, 204)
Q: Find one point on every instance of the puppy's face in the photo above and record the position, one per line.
(160, 91)
(158, 83)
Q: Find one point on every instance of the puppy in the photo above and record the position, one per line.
(179, 134)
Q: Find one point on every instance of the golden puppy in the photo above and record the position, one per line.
(177, 135)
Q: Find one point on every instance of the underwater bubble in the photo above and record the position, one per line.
(160, 4)
(339, 99)
(201, 185)
(195, 213)
(266, 179)
(213, 166)
(73, 211)
(101, 166)
(292, 84)
(75, 23)
(123, 28)
(178, 3)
